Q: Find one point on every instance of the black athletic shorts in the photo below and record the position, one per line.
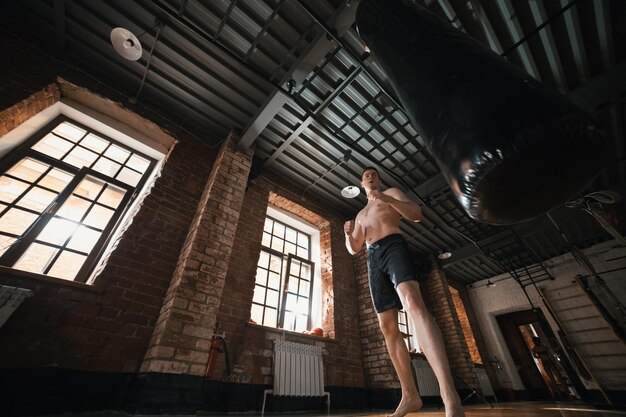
(388, 264)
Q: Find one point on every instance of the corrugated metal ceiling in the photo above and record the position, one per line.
(225, 65)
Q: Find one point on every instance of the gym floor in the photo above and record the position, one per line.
(520, 409)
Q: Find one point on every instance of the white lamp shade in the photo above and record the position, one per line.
(126, 44)
(350, 191)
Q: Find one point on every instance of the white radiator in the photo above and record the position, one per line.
(484, 383)
(10, 299)
(427, 384)
(298, 371)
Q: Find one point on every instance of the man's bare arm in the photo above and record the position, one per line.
(408, 209)
(354, 236)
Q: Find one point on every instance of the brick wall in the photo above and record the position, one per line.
(250, 346)
(379, 370)
(181, 338)
(459, 307)
(106, 327)
(443, 310)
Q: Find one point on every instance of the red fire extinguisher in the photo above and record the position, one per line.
(217, 343)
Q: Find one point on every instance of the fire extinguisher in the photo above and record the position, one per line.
(217, 347)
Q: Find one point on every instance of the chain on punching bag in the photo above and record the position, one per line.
(510, 147)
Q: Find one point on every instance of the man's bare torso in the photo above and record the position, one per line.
(378, 220)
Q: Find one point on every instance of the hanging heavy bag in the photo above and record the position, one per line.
(509, 146)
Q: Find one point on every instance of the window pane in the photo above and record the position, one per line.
(69, 131)
(67, 265)
(99, 217)
(107, 167)
(117, 154)
(259, 295)
(57, 231)
(56, 180)
(291, 235)
(279, 230)
(266, 239)
(129, 177)
(293, 285)
(37, 199)
(272, 298)
(74, 208)
(5, 243)
(274, 281)
(304, 288)
(138, 163)
(301, 323)
(277, 244)
(53, 146)
(303, 253)
(276, 264)
(16, 221)
(80, 157)
(10, 189)
(84, 239)
(268, 226)
(256, 314)
(292, 302)
(36, 258)
(89, 188)
(303, 240)
(270, 317)
(261, 276)
(112, 196)
(305, 271)
(303, 305)
(28, 170)
(264, 259)
(289, 322)
(290, 248)
(94, 143)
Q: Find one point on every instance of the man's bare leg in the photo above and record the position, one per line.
(431, 342)
(411, 400)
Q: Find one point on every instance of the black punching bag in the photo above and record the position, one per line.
(510, 147)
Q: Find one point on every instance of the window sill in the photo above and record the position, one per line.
(26, 276)
(291, 333)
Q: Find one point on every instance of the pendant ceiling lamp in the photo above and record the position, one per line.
(126, 44)
(349, 191)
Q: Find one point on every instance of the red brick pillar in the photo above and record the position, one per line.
(181, 337)
(442, 307)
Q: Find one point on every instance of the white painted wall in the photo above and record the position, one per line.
(507, 296)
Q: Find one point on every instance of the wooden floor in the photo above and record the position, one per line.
(529, 409)
(500, 410)
(521, 410)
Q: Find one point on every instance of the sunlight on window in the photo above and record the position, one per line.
(59, 227)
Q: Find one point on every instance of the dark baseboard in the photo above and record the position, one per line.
(37, 391)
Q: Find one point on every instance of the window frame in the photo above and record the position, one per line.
(285, 270)
(24, 150)
(282, 306)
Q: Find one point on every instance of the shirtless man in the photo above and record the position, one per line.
(393, 285)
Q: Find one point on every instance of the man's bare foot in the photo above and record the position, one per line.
(407, 406)
(455, 410)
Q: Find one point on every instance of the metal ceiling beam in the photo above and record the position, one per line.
(576, 41)
(512, 22)
(549, 45)
(303, 66)
(602, 13)
(310, 118)
(490, 33)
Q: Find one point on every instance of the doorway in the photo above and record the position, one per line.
(538, 357)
